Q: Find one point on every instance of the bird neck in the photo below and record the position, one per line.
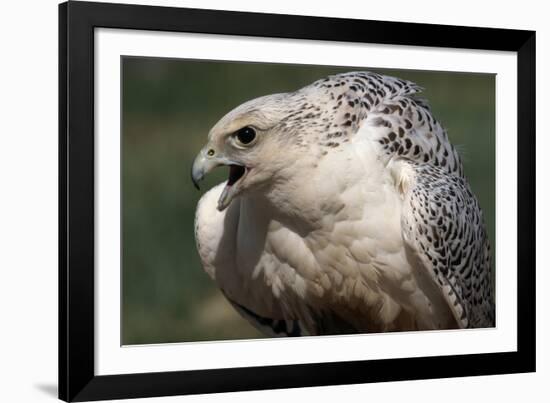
(291, 210)
(313, 194)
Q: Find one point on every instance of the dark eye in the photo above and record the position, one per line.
(246, 135)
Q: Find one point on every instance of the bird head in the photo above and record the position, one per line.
(257, 141)
(271, 144)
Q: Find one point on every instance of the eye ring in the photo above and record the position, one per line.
(246, 135)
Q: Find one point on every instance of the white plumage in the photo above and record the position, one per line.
(346, 210)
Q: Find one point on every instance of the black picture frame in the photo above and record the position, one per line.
(77, 378)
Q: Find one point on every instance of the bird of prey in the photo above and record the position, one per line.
(346, 210)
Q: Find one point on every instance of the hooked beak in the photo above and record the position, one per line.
(201, 166)
(206, 161)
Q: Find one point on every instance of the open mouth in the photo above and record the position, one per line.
(236, 172)
(236, 175)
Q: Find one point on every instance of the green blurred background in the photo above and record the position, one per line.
(168, 107)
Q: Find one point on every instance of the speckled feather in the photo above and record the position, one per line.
(394, 241)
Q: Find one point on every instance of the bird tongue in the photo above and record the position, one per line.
(235, 173)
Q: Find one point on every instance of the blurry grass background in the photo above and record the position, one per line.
(168, 107)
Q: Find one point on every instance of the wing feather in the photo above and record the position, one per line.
(268, 326)
(443, 225)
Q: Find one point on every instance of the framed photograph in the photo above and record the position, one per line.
(365, 212)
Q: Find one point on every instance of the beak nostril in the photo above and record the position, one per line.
(210, 153)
